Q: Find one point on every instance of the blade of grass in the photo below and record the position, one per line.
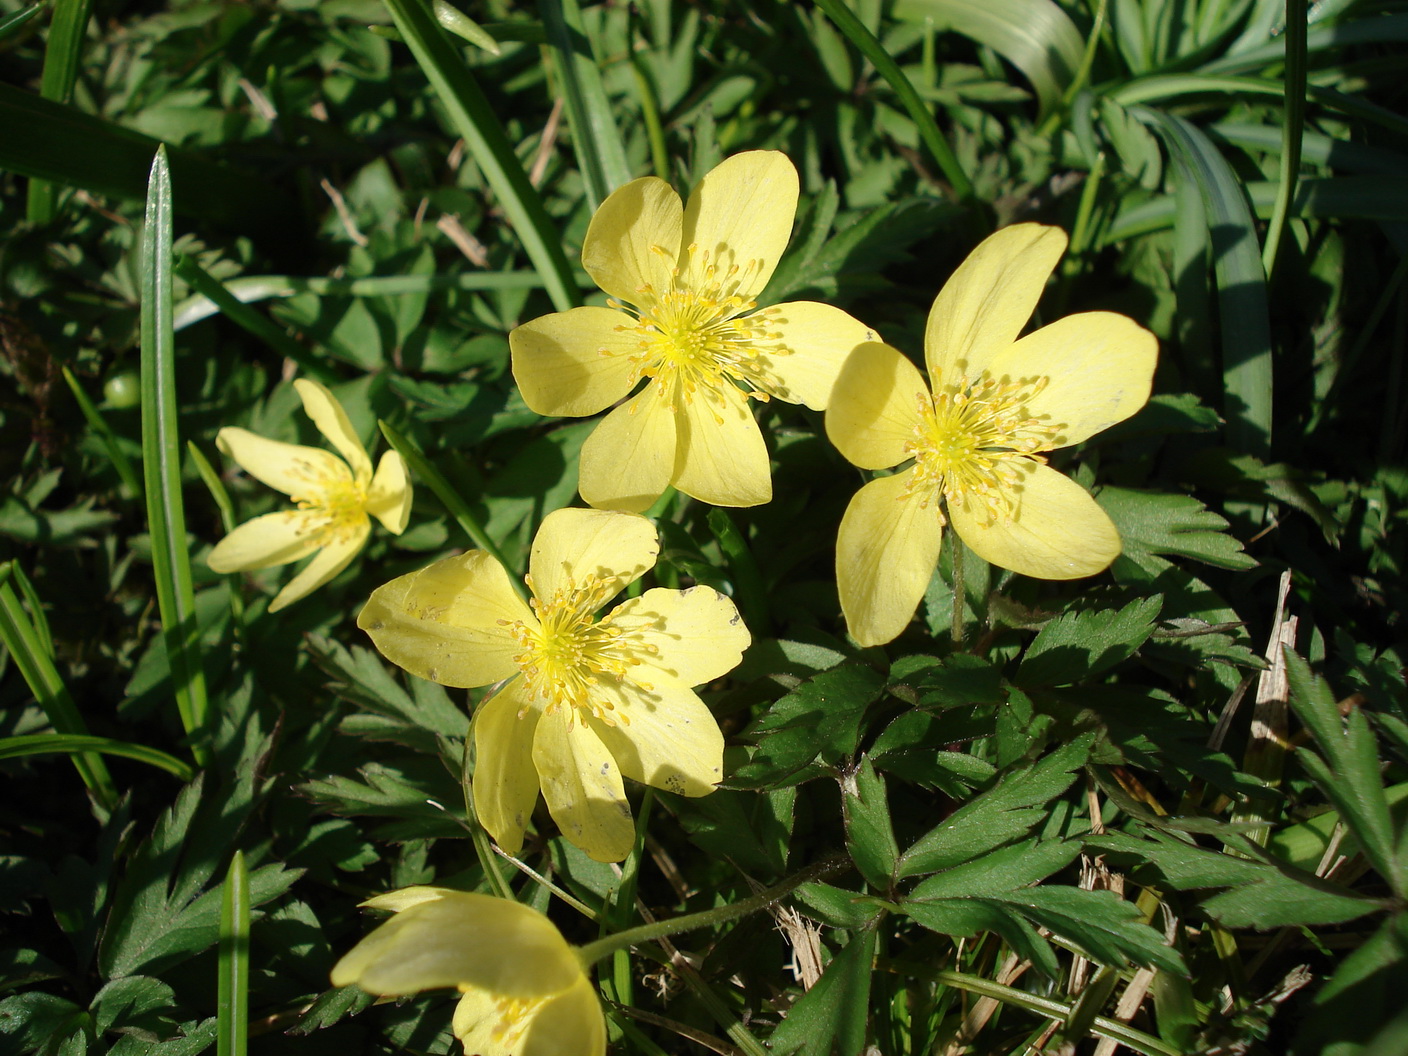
(462, 26)
(918, 110)
(595, 137)
(37, 668)
(13, 23)
(216, 487)
(649, 112)
(161, 464)
(36, 610)
(232, 1007)
(61, 54)
(1292, 128)
(483, 134)
(82, 744)
(120, 462)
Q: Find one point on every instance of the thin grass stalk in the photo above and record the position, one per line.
(37, 668)
(61, 55)
(650, 114)
(36, 609)
(161, 464)
(1292, 129)
(232, 1005)
(13, 23)
(126, 472)
(484, 135)
(82, 744)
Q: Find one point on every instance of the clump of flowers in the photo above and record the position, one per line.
(684, 320)
(590, 699)
(976, 441)
(526, 992)
(336, 499)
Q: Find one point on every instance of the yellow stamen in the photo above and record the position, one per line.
(334, 505)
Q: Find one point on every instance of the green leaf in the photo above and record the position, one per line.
(1005, 869)
(967, 917)
(839, 908)
(870, 837)
(130, 1004)
(61, 58)
(79, 744)
(1078, 645)
(831, 1017)
(232, 1008)
(1156, 523)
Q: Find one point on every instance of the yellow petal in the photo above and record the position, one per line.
(573, 544)
(886, 550)
(721, 458)
(566, 1024)
(443, 623)
(627, 462)
(816, 339)
(302, 472)
(693, 635)
(874, 408)
(339, 548)
(465, 940)
(274, 539)
(740, 216)
(1100, 368)
(575, 363)
(389, 497)
(667, 737)
(1057, 532)
(582, 785)
(989, 299)
(332, 421)
(505, 782)
(633, 239)
(405, 898)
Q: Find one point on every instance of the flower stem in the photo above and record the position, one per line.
(605, 946)
(956, 557)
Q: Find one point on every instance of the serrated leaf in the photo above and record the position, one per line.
(330, 1007)
(955, 681)
(363, 679)
(870, 838)
(1077, 645)
(1158, 523)
(965, 918)
(1111, 930)
(1005, 869)
(195, 1037)
(831, 1017)
(837, 907)
(124, 1003)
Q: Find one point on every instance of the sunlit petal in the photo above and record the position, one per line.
(450, 622)
(1100, 368)
(333, 423)
(575, 363)
(569, 1023)
(389, 497)
(274, 539)
(337, 553)
(627, 462)
(739, 217)
(886, 550)
(573, 544)
(302, 472)
(874, 408)
(814, 341)
(721, 458)
(989, 299)
(1057, 530)
(666, 737)
(582, 785)
(505, 781)
(633, 239)
(693, 635)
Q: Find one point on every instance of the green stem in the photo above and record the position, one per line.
(956, 557)
(604, 947)
(1292, 129)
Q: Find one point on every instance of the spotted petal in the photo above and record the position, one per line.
(627, 462)
(813, 343)
(739, 217)
(567, 1024)
(874, 408)
(302, 472)
(989, 299)
(273, 539)
(505, 782)
(582, 785)
(886, 550)
(337, 553)
(575, 363)
(333, 423)
(633, 239)
(573, 544)
(692, 636)
(667, 738)
(721, 458)
(1056, 532)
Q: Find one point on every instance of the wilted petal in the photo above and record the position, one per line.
(573, 544)
(389, 497)
(575, 363)
(721, 458)
(1056, 532)
(337, 553)
(739, 216)
(633, 239)
(989, 299)
(274, 539)
(333, 423)
(449, 622)
(886, 551)
(874, 408)
(582, 785)
(627, 462)
(667, 737)
(816, 339)
(505, 781)
(1099, 366)
(693, 635)
(302, 472)
(465, 940)
(567, 1024)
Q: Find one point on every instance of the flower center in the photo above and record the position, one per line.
(700, 336)
(973, 440)
(566, 654)
(512, 1015)
(334, 506)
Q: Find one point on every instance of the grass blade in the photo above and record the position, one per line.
(1292, 128)
(12, 23)
(37, 667)
(60, 71)
(483, 134)
(82, 744)
(232, 1008)
(120, 462)
(595, 137)
(161, 463)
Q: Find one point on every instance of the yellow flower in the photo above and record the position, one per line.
(525, 991)
(334, 499)
(998, 402)
(593, 698)
(682, 281)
